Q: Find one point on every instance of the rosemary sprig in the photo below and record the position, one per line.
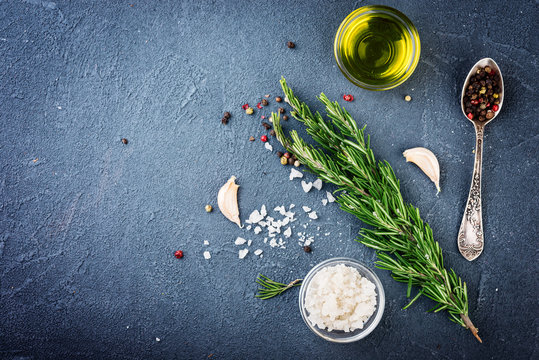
(370, 190)
(272, 288)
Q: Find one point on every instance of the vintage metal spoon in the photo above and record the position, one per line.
(471, 236)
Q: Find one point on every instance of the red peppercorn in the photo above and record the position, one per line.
(348, 97)
(474, 102)
(470, 116)
(259, 106)
(492, 72)
(178, 254)
(287, 155)
(495, 107)
(245, 106)
(264, 138)
(488, 104)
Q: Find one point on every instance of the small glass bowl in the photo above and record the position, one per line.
(370, 10)
(339, 336)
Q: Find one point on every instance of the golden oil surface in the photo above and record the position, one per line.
(376, 49)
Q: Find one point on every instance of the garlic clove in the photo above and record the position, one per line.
(427, 161)
(227, 200)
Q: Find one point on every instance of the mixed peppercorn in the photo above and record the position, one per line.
(482, 94)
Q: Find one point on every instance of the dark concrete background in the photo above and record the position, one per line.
(88, 226)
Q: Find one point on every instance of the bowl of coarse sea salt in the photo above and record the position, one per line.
(341, 300)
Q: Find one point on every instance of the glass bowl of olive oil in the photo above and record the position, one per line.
(377, 47)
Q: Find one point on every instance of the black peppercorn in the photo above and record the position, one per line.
(265, 102)
(266, 125)
(291, 161)
(272, 133)
(280, 154)
(124, 141)
(307, 249)
(290, 45)
(285, 117)
(281, 110)
(278, 99)
(224, 120)
(227, 115)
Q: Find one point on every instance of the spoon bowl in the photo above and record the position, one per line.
(470, 239)
(481, 64)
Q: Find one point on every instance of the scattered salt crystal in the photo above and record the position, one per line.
(257, 230)
(258, 252)
(295, 174)
(157, 339)
(243, 253)
(265, 240)
(306, 209)
(207, 255)
(249, 227)
(255, 217)
(307, 242)
(288, 232)
(330, 196)
(291, 206)
(268, 146)
(317, 184)
(313, 215)
(240, 241)
(263, 210)
(324, 202)
(206, 242)
(249, 242)
(306, 186)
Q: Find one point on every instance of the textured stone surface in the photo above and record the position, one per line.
(88, 226)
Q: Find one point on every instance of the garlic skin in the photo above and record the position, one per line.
(227, 200)
(427, 161)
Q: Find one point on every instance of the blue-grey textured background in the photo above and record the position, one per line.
(88, 226)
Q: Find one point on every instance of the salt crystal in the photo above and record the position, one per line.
(255, 217)
(257, 230)
(317, 184)
(295, 174)
(313, 215)
(207, 255)
(306, 209)
(324, 202)
(306, 186)
(258, 252)
(291, 206)
(249, 242)
(330, 196)
(243, 253)
(249, 227)
(263, 210)
(206, 242)
(240, 241)
(268, 146)
(307, 242)
(157, 339)
(288, 232)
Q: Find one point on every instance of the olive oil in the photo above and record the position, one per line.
(378, 47)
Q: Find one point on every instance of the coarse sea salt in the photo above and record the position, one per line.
(295, 174)
(339, 298)
(268, 146)
(317, 184)
(306, 209)
(312, 215)
(207, 255)
(330, 197)
(258, 252)
(240, 241)
(307, 186)
(243, 253)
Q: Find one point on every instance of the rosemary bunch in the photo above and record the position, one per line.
(370, 190)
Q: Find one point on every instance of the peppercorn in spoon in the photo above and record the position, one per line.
(481, 102)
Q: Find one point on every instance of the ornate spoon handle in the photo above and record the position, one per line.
(470, 239)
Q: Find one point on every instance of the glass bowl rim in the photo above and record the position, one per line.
(379, 312)
(416, 45)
